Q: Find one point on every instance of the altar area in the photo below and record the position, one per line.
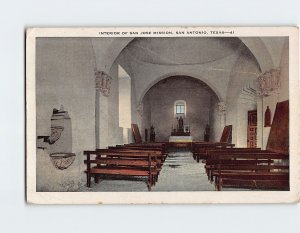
(181, 136)
(180, 139)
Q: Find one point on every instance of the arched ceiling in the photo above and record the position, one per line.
(182, 51)
(190, 82)
(148, 60)
(212, 60)
(182, 81)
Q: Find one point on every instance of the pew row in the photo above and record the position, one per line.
(241, 169)
(132, 161)
(200, 149)
(251, 167)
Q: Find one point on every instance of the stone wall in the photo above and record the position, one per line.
(159, 106)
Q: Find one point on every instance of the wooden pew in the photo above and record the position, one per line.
(251, 168)
(200, 149)
(154, 152)
(249, 174)
(160, 153)
(146, 146)
(122, 164)
(253, 180)
(235, 161)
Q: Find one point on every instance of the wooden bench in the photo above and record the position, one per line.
(159, 152)
(243, 169)
(200, 149)
(254, 168)
(252, 180)
(160, 157)
(121, 164)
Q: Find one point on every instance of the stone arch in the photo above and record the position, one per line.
(258, 48)
(151, 84)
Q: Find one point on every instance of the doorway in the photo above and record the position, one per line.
(252, 129)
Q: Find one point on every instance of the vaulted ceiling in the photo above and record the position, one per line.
(211, 60)
(182, 51)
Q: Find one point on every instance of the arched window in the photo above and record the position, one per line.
(180, 108)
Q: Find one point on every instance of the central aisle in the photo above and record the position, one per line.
(181, 172)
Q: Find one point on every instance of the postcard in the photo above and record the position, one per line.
(162, 115)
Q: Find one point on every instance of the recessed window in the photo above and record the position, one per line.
(180, 108)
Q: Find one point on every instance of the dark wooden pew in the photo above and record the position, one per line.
(200, 149)
(161, 147)
(134, 153)
(254, 180)
(159, 152)
(256, 168)
(122, 164)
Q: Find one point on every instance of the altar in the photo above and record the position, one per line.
(180, 139)
(181, 136)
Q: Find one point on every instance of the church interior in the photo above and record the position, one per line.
(162, 114)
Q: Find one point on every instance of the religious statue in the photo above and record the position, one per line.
(206, 133)
(181, 129)
(268, 117)
(146, 135)
(180, 124)
(152, 134)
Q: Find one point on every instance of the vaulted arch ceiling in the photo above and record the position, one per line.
(209, 58)
(106, 55)
(182, 51)
(210, 86)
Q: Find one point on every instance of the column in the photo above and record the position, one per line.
(267, 92)
(102, 91)
(222, 114)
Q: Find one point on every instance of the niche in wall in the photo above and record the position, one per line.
(59, 142)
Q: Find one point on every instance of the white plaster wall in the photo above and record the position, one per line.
(124, 102)
(135, 117)
(125, 107)
(259, 49)
(65, 75)
(244, 71)
(146, 120)
(106, 50)
(115, 133)
(284, 72)
(103, 121)
(215, 121)
(277, 96)
(275, 46)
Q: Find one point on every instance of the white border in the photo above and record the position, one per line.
(163, 197)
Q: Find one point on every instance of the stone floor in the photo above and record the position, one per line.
(180, 172)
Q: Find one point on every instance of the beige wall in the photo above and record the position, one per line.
(65, 76)
(277, 96)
